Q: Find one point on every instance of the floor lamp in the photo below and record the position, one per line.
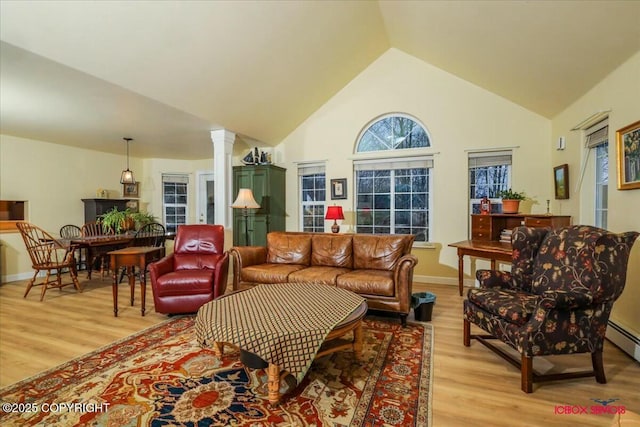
(245, 201)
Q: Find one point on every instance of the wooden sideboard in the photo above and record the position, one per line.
(93, 208)
(489, 227)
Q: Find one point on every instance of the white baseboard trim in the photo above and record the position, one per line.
(20, 276)
(443, 280)
(628, 342)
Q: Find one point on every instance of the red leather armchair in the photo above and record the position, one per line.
(194, 274)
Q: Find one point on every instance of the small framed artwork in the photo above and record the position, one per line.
(130, 190)
(561, 181)
(339, 188)
(133, 205)
(628, 142)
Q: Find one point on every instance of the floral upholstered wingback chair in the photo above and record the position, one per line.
(556, 299)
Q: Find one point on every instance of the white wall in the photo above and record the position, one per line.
(620, 93)
(458, 115)
(54, 178)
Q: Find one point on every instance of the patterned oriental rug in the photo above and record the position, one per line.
(162, 377)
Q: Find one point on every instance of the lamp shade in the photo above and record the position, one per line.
(334, 212)
(245, 200)
(127, 175)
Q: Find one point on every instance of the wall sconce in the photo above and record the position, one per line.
(127, 175)
(334, 213)
(245, 201)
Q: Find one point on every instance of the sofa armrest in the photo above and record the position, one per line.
(403, 281)
(495, 279)
(245, 256)
(221, 276)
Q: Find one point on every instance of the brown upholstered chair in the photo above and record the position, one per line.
(194, 274)
(50, 255)
(556, 299)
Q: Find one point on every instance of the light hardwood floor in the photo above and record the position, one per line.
(471, 386)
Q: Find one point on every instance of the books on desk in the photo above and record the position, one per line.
(505, 235)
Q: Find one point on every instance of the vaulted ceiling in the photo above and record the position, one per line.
(166, 72)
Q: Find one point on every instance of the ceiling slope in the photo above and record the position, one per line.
(167, 72)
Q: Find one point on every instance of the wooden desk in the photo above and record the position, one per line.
(135, 256)
(491, 249)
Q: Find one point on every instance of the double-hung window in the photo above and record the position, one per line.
(489, 174)
(597, 140)
(393, 191)
(312, 196)
(174, 200)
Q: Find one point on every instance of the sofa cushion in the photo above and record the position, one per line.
(368, 282)
(185, 282)
(269, 273)
(379, 252)
(285, 248)
(510, 305)
(332, 250)
(318, 274)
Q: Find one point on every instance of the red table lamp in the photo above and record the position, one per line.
(334, 213)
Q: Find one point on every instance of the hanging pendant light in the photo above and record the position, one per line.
(127, 175)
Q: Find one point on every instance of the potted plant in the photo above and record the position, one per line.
(116, 221)
(511, 200)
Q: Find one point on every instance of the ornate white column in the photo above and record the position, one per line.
(222, 152)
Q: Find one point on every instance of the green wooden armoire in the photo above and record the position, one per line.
(268, 185)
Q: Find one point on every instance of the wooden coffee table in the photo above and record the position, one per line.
(335, 340)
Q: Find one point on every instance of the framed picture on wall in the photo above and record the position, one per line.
(561, 181)
(339, 188)
(628, 142)
(130, 190)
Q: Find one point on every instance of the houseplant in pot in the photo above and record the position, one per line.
(511, 200)
(115, 221)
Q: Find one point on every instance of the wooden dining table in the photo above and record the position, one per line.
(99, 245)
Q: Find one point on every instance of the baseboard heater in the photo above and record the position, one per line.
(622, 338)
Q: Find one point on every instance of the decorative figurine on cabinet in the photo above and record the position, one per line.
(485, 206)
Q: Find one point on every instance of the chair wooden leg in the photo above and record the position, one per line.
(466, 333)
(527, 374)
(45, 284)
(74, 278)
(30, 284)
(598, 367)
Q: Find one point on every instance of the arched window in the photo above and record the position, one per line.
(393, 133)
(393, 193)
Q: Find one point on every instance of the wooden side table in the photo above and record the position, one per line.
(492, 249)
(131, 257)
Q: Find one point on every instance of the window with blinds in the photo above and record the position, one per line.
(597, 140)
(489, 174)
(174, 200)
(312, 184)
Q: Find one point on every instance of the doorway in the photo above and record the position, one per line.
(205, 201)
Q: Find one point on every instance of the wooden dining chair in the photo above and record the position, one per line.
(50, 255)
(95, 259)
(68, 232)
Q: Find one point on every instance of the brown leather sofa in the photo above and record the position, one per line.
(377, 267)
(194, 274)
